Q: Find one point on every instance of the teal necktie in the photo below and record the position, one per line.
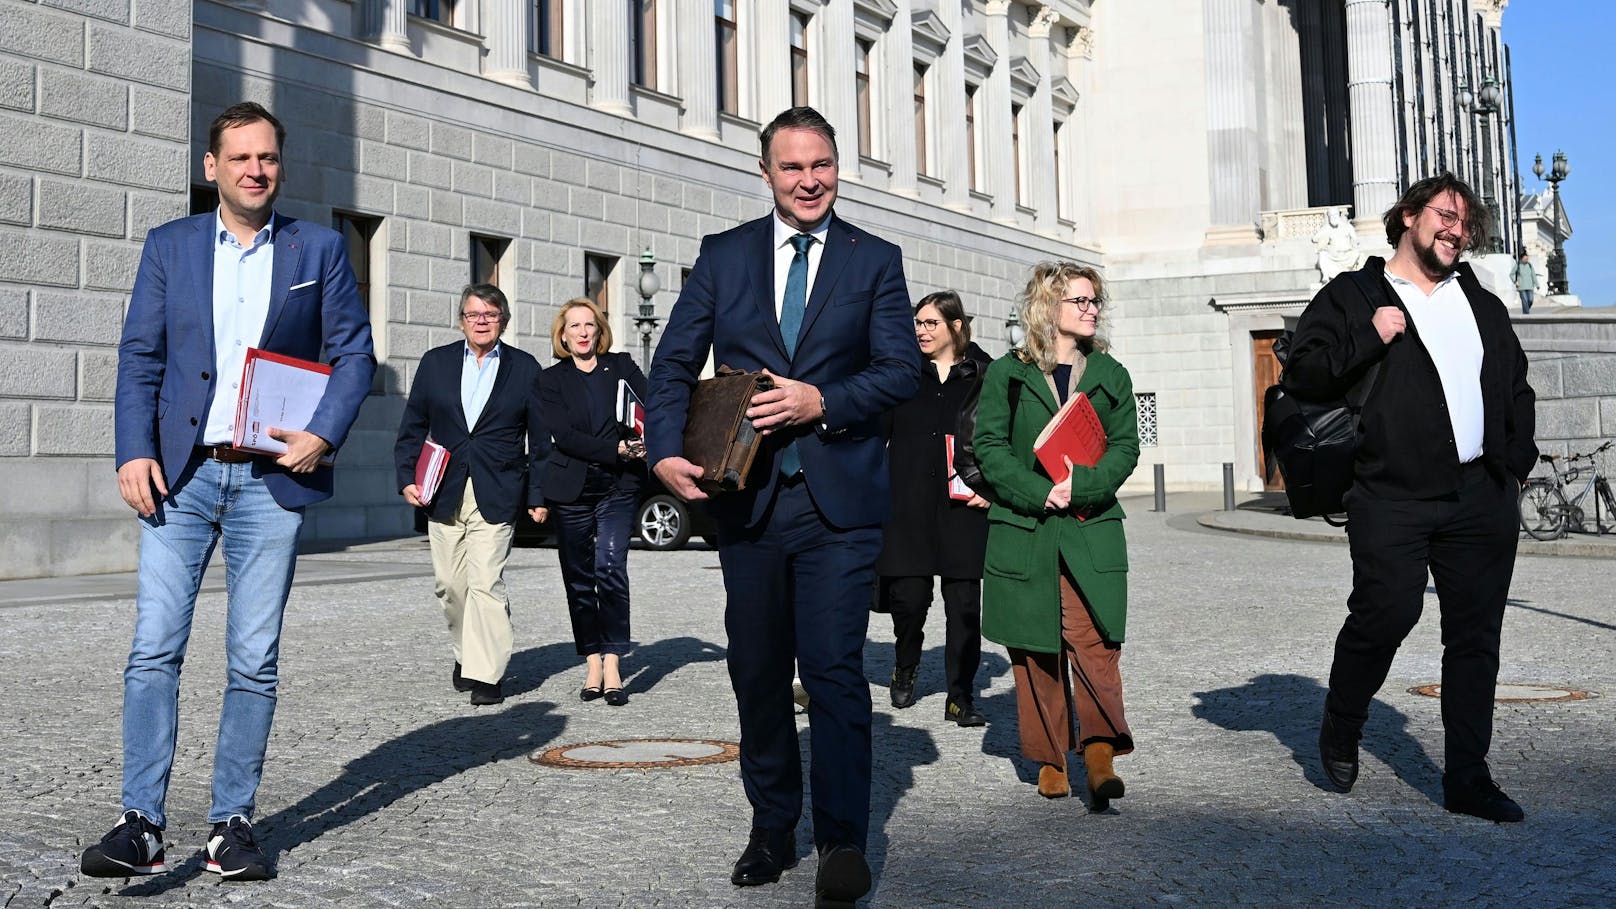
(792, 306)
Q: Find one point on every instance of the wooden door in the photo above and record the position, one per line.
(1265, 372)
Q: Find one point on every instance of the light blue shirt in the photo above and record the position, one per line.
(477, 382)
(241, 284)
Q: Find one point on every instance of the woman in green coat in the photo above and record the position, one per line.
(1055, 582)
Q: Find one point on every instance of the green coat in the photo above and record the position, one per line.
(1020, 584)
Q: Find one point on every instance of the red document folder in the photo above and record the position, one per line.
(277, 392)
(1074, 433)
(429, 468)
(957, 490)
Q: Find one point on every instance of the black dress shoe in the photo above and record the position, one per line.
(590, 693)
(616, 697)
(1482, 799)
(460, 682)
(843, 877)
(483, 694)
(903, 686)
(964, 713)
(767, 854)
(1338, 751)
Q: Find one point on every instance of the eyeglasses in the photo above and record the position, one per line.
(481, 317)
(1083, 304)
(1449, 218)
(928, 324)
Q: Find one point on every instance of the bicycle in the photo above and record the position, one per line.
(1546, 511)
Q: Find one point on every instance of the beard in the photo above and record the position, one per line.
(1431, 261)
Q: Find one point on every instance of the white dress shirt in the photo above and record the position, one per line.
(241, 284)
(784, 253)
(1447, 326)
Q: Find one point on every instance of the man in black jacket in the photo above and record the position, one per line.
(479, 399)
(1444, 443)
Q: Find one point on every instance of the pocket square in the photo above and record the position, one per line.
(301, 286)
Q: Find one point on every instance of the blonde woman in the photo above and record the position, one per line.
(1055, 583)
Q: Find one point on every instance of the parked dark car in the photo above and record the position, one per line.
(663, 522)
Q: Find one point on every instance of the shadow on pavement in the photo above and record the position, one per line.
(644, 668)
(1289, 706)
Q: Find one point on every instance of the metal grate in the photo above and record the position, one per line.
(1146, 400)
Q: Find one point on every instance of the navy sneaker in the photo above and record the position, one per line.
(234, 854)
(133, 847)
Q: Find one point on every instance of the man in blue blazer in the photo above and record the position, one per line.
(478, 398)
(209, 288)
(821, 306)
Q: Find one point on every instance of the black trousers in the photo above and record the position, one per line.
(909, 599)
(593, 536)
(1467, 543)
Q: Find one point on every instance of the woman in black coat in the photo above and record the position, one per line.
(591, 485)
(931, 533)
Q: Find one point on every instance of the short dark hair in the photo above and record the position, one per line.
(952, 310)
(240, 115)
(1476, 215)
(487, 293)
(798, 118)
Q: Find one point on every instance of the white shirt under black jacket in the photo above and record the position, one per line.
(1447, 327)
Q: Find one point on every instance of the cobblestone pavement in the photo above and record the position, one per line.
(384, 788)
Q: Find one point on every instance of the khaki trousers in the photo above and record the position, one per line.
(1045, 696)
(468, 562)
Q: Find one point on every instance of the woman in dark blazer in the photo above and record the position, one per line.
(591, 484)
(1055, 580)
(930, 534)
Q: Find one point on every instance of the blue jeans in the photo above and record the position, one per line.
(219, 501)
(1526, 301)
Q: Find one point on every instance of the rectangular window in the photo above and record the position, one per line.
(546, 25)
(598, 279)
(729, 67)
(487, 261)
(437, 10)
(799, 59)
(861, 81)
(1015, 149)
(642, 50)
(970, 136)
(359, 233)
(920, 121)
(1060, 175)
(204, 198)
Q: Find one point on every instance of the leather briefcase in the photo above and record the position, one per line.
(718, 437)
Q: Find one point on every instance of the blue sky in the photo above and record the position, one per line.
(1565, 99)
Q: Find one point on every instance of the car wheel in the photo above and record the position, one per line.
(664, 524)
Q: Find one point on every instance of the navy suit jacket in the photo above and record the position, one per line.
(166, 361)
(571, 425)
(856, 345)
(501, 454)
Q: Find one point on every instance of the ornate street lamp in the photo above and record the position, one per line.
(647, 320)
(1484, 104)
(1560, 170)
(1013, 329)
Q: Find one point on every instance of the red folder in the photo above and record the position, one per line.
(277, 392)
(957, 490)
(429, 468)
(1074, 433)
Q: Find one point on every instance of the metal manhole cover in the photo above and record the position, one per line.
(637, 754)
(1518, 692)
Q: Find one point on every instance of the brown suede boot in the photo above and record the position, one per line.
(1104, 784)
(1052, 783)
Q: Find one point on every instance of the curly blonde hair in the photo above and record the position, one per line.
(1040, 311)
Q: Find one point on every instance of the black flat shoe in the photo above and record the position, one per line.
(1484, 800)
(484, 694)
(590, 693)
(964, 713)
(1338, 752)
(843, 877)
(767, 854)
(902, 689)
(460, 682)
(616, 697)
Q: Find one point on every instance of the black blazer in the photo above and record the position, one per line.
(504, 472)
(561, 391)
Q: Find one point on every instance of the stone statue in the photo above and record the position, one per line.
(1337, 243)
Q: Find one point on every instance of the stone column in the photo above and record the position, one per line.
(995, 120)
(1040, 132)
(1287, 146)
(954, 158)
(1080, 167)
(1370, 100)
(389, 21)
(697, 62)
(1234, 147)
(837, 80)
(898, 55)
(505, 29)
(772, 51)
(608, 57)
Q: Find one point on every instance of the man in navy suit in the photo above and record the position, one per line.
(479, 399)
(822, 307)
(209, 288)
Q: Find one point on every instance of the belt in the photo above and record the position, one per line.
(224, 454)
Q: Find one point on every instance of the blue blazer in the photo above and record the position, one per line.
(501, 454)
(856, 345)
(166, 361)
(561, 388)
